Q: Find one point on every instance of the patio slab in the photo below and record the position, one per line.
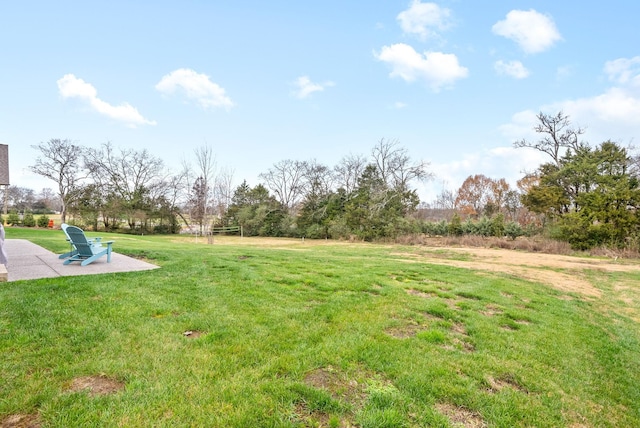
(30, 261)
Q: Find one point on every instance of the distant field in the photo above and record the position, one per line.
(252, 332)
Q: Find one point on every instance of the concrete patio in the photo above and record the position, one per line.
(30, 261)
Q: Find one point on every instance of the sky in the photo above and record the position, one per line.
(454, 82)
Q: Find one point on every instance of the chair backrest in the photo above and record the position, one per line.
(79, 240)
(64, 226)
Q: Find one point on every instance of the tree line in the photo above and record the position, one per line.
(585, 195)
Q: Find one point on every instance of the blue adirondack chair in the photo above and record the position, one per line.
(86, 252)
(96, 242)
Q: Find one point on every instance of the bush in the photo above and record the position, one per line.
(163, 229)
(513, 230)
(43, 221)
(315, 231)
(484, 227)
(455, 226)
(338, 229)
(497, 225)
(29, 220)
(13, 219)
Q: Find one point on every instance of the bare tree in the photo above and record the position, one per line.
(319, 179)
(206, 172)
(395, 166)
(132, 178)
(223, 191)
(557, 136)
(20, 198)
(446, 200)
(349, 170)
(286, 180)
(60, 161)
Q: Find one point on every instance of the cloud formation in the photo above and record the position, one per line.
(195, 86)
(513, 69)
(531, 30)
(624, 71)
(436, 69)
(69, 86)
(305, 87)
(425, 20)
(499, 162)
(614, 114)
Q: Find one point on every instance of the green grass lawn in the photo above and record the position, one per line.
(304, 335)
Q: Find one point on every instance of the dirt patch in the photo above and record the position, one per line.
(96, 385)
(421, 293)
(21, 421)
(336, 383)
(491, 310)
(536, 267)
(193, 334)
(405, 331)
(461, 417)
(315, 418)
(462, 345)
(498, 384)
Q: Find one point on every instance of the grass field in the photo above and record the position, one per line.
(285, 333)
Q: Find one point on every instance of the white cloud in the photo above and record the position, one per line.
(70, 86)
(437, 69)
(399, 105)
(613, 114)
(424, 19)
(616, 105)
(520, 127)
(305, 87)
(498, 162)
(531, 30)
(195, 86)
(624, 71)
(513, 69)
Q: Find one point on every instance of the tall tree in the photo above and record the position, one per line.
(395, 166)
(286, 179)
(591, 194)
(129, 180)
(557, 136)
(60, 161)
(348, 171)
(474, 194)
(198, 203)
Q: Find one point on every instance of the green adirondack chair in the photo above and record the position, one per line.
(96, 242)
(85, 252)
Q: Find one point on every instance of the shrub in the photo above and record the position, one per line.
(484, 227)
(513, 230)
(497, 225)
(29, 220)
(43, 221)
(13, 219)
(455, 226)
(315, 231)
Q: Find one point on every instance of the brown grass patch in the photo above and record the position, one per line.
(21, 421)
(405, 331)
(461, 417)
(193, 334)
(419, 293)
(338, 384)
(463, 345)
(500, 383)
(96, 385)
(491, 310)
(315, 418)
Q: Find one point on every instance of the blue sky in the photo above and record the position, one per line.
(454, 82)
